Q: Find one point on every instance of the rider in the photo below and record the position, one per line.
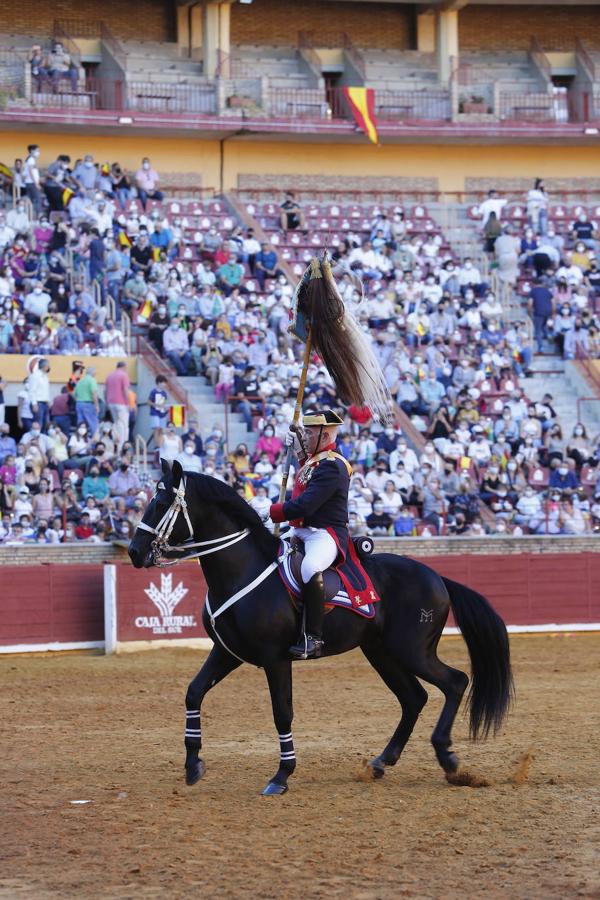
(318, 511)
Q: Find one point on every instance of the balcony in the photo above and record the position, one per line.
(226, 105)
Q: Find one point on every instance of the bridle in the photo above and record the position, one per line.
(160, 545)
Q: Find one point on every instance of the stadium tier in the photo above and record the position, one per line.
(192, 171)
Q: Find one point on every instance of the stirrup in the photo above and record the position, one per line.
(308, 647)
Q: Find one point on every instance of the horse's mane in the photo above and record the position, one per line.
(211, 490)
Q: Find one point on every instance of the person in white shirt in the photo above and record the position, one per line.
(493, 204)
(479, 449)
(38, 387)
(189, 459)
(31, 177)
(112, 342)
(431, 290)
(37, 302)
(18, 220)
(403, 453)
(571, 273)
(7, 234)
(468, 274)
(366, 256)
(261, 504)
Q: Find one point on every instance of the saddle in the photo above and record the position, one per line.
(331, 580)
(335, 594)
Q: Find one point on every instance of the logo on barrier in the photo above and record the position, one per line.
(166, 599)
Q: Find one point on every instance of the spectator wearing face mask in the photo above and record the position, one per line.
(529, 510)
(189, 459)
(94, 484)
(86, 175)
(270, 444)
(563, 478)
(406, 455)
(469, 276)
(176, 347)
(379, 523)
(87, 400)
(36, 303)
(147, 180)
(124, 480)
(31, 177)
(112, 340)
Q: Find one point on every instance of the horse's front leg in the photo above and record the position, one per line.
(279, 677)
(217, 666)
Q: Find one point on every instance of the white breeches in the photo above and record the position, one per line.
(320, 551)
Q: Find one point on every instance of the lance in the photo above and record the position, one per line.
(319, 318)
(294, 425)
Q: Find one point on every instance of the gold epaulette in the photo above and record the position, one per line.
(331, 455)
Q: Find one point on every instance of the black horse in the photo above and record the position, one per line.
(400, 642)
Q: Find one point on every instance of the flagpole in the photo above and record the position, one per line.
(293, 426)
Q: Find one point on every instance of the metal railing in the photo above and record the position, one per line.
(416, 106)
(299, 103)
(126, 329)
(131, 96)
(141, 454)
(527, 108)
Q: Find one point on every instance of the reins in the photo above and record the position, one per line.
(161, 545)
(164, 529)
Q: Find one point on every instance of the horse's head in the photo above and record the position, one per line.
(144, 548)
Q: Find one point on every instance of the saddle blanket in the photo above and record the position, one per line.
(341, 598)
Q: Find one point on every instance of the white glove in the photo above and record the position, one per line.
(289, 438)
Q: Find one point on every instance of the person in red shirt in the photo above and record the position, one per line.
(84, 529)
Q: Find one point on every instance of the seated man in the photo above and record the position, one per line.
(319, 512)
(291, 216)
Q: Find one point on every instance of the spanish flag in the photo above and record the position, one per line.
(6, 172)
(156, 254)
(177, 416)
(67, 194)
(145, 310)
(362, 104)
(124, 239)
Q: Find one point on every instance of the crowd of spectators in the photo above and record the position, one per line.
(214, 301)
(549, 253)
(71, 475)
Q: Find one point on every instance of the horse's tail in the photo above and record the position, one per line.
(492, 688)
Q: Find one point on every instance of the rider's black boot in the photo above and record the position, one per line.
(310, 645)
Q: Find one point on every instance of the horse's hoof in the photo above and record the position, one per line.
(377, 767)
(449, 762)
(194, 772)
(273, 788)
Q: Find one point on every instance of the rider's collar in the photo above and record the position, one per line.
(325, 449)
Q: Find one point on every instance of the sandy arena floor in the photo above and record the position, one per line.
(109, 730)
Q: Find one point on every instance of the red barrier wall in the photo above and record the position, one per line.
(531, 588)
(51, 604)
(159, 604)
(56, 605)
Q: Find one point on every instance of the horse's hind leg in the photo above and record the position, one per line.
(411, 696)
(217, 666)
(452, 683)
(279, 677)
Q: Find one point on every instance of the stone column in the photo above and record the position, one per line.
(447, 43)
(426, 32)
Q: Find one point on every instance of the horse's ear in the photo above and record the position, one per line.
(177, 473)
(165, 466)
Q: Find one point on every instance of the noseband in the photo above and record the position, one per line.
(160, 544)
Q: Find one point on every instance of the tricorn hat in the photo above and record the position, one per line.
(326, 417)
